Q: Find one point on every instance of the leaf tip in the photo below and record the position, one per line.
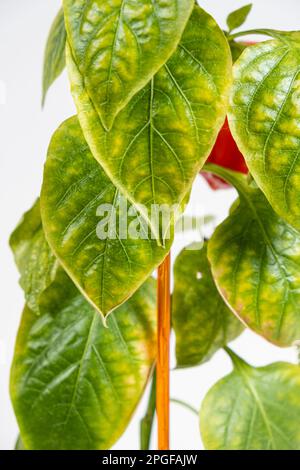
(43, 100)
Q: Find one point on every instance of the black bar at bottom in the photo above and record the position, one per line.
(126, 459)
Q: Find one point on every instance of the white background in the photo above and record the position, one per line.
(24, 136)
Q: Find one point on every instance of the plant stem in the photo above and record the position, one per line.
(163, 354)
(147, 421)
(238, 180)
(185, 405)
(262, 32)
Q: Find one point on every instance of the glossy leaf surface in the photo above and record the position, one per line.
(119, 45)
(255, 259)
(253, 409)
(54, 60)
(75, 383)
(103, 243)
(265, 120)
(238, 17)
(162, 138)
(201, 320)
(34, 258)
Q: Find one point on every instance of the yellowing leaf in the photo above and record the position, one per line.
(253, 409)
(265, 119)
(161, 139)
(75, 383)
(37, 264)
(100, 240)
(255, 260)
(201, 320)
(119, 45)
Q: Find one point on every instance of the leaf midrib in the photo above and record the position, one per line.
(108, 84)
(262, 82)
(251, 387)
(105, 251)
(86, 348)
(151, 98)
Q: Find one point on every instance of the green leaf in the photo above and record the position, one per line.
(54, 59)
(162, 138)
(74, 383)
(84, 218)
(255, 260)
(119, 45)
(19, 444)
(34, 258)
(253, 409)
(146, 423)
(238, 17)
(265, 120)
(237, 48)
(201, 320)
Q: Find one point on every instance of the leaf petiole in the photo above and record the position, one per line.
(185, 405)
(146, 424)
(238, 180)
(262, 32)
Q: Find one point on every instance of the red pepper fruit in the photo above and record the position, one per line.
(225, 153)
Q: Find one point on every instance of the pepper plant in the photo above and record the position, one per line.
(153, 83)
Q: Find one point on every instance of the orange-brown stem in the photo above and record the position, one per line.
(163, 354)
